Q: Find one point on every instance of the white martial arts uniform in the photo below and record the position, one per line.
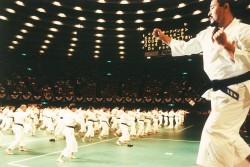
(171, 119)
(140, 121)
(165, 116)
(8, 119)
(18, 128)
(70, 120)
(104, 123)
(125, 137)
(221, 144)
(60, 125)
(91, 118)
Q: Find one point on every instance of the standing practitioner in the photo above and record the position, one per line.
(226, 54)
(90, 119)
(18, 128)
(171, 119)
(125, 137)
(70, 121)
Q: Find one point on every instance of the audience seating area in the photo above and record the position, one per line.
(136, 86)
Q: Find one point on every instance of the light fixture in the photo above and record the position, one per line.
(196, 12)
(3, 18)
(57, 22)
(10, 10)
(158, 19)
(140, 12)
(98, 11)
(124, 2)
(177, 17)
(56, 3)
(81, 18)
(101, 20)
(24, 31)
(119, 12)
(160, 10)
(138, 21)
(41, 10)
(20, 3)
(19, 36)
(29, 24)
(78, 8)
(61, 15)
(119, 21)
(181, 5)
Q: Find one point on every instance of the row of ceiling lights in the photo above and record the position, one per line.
(74, 39)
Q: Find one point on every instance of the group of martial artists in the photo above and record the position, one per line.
(71, 121)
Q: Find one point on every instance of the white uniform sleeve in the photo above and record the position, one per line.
(181, 48)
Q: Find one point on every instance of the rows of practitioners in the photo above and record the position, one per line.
(70, 121)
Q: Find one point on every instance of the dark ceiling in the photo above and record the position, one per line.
(46, 32)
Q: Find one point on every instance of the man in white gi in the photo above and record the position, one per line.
(7, 123)
(125, 137)
(226, 54)
(171, 119)
(18, 128)
(104, 123)
(165, 118)
(90, 119)
(140, 119)
(60, 122)
(70, 121)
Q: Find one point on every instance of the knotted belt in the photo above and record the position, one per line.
(223, 85)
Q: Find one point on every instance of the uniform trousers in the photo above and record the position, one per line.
(71, 143)
(221, 144)
(90, 132)
(19, 137)
(125, 134)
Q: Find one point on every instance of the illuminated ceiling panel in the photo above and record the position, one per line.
(107, 23)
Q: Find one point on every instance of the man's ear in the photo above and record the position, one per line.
(226, 6)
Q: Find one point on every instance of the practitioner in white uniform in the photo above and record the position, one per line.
(171, 119)
(155, 115)
(125, 137)
(70, 121)
(8, 119)
(104, 123)
(60, 122)
(140, 121)
(165, 116)
(82, 113)
(18, 128)
(132, 128)
(226, 54)
(91, 118)
(161, 117)
(176, 119)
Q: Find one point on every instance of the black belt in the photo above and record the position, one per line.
(71, 127)
(106, 122)
(18, 124)
(224, 83)
(125, 124)
(219, 84)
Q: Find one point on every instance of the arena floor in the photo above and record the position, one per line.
(168, 148)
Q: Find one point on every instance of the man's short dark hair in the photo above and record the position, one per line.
(230, 3)
(72, 105)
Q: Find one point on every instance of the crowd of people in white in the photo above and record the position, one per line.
(123, 123)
